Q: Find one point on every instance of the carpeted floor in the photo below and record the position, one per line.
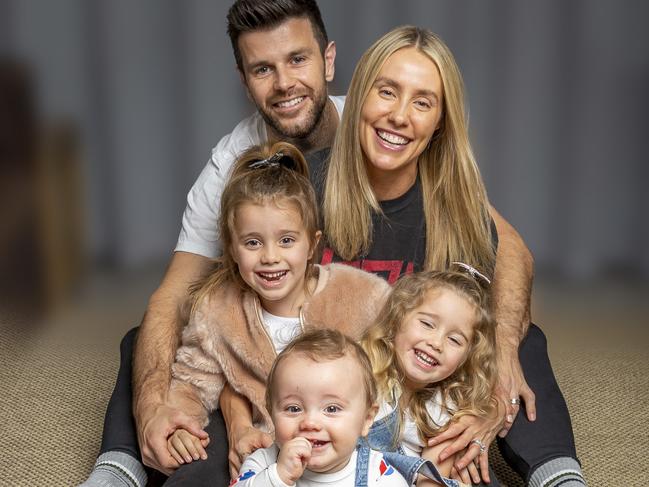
(56, 380)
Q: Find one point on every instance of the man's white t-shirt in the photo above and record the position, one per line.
(199, 233)
(260, 470)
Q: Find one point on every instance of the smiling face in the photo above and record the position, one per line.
(271, 248)
(322, 402)
(286, 76)
(434, 339)
(399, 116)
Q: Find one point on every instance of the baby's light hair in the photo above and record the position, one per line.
(325, 345)
(264, 174)
(470, 387)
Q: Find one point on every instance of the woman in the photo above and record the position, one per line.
(402, 192)
(403, 129)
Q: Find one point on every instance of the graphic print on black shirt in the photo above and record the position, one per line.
(399, 235)
(398, 239)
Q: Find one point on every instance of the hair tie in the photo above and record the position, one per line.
(475, 273)
(276, 160)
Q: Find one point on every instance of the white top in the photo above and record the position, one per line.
(199, 233)
(281, 329)
(409, 440)
(260, 470)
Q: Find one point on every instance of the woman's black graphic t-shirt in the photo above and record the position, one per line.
(399, 235)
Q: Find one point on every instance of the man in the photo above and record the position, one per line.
(285, 60)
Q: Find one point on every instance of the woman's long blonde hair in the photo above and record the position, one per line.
(469, 389)
(455, 201)
(284, 181)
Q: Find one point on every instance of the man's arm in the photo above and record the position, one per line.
(511, 291)
(157, 341)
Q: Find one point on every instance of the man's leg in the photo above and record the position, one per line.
(118, 464)
(542, 451)
(214, 470)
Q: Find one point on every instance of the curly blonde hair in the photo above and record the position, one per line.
(469, 389)
(284, 182)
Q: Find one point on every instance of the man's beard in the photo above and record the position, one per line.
(306, 127)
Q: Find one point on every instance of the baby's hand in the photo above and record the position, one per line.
(293, 458)
(185, 447)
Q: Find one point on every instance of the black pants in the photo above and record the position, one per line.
(531, 444)
(528, 444)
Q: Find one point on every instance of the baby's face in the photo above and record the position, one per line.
(324, 402)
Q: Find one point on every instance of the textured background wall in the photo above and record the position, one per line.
(557, 90)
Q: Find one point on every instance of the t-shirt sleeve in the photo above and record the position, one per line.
(199, 232)
(382, 474)
(259, 470)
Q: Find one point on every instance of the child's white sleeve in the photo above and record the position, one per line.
(260, 470)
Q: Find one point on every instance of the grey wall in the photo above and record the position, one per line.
(557, 90)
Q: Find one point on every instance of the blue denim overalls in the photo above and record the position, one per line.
(381, 437)
(362, 464)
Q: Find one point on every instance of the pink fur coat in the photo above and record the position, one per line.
(226, 341)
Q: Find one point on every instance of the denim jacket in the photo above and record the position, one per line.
(381, 438)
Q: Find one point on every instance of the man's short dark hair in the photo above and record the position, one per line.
(251, 15)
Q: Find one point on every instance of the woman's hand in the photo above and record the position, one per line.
(468, 476)
(243, 441)
(472, 436)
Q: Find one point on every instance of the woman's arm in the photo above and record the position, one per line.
(511, 290)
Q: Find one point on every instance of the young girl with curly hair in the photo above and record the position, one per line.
(432, 354)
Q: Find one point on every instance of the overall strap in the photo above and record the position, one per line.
(362, 463)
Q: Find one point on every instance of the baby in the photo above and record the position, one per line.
(322, 399)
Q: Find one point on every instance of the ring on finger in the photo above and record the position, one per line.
(515, 401)
(481, 445)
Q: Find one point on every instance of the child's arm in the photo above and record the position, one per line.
(243, 437)
(186, 447)
(262, 469)
(445, 468)
(193, 392)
